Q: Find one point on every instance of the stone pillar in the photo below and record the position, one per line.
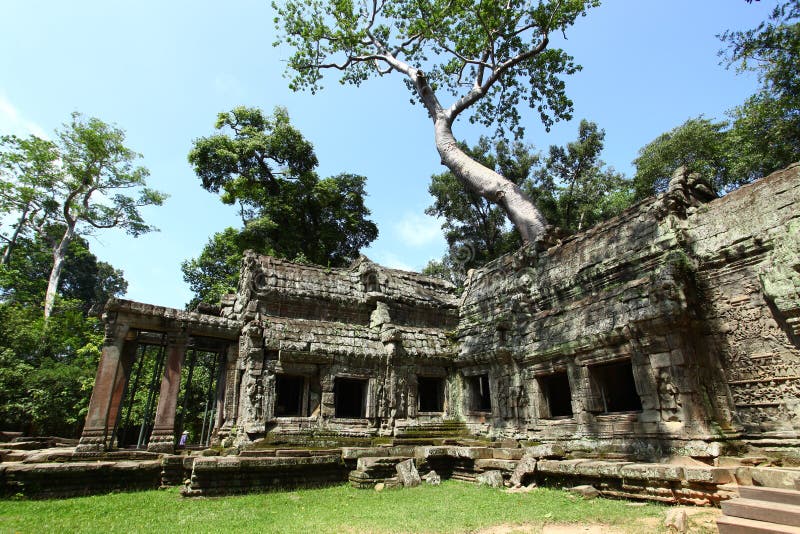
(123, 376)
(95, 430)
(163, 437)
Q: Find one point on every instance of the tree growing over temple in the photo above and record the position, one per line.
(489, 57)
(572, 187)
(83, 182)
(264, 166)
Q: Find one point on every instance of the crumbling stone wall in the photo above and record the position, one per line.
(746, 247)
(362, 327)
(698, 299)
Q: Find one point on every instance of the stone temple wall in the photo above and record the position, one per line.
(670, 327)
(695, 303)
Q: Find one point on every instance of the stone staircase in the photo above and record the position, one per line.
(760, 510)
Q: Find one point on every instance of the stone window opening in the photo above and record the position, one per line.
(350, 398)
(290, 396)
(480, 399)
(430, 394)
(613, 388)
(555, 395)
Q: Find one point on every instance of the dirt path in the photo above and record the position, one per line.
(701, 521)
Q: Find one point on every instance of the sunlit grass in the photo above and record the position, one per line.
(451, 507)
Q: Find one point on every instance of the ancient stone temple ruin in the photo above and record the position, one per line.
(673, 326)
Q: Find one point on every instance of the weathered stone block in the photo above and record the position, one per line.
(407, 473)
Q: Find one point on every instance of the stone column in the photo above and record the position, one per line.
(163, 437)
(95, 430)
(123, 376)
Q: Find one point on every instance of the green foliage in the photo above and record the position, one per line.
(763, 134)
(97, 164)
(47, 368)
(85, 278)
(498, 45)
(29, 175)
(452, 507)
(216, 271)
(574, 189)
(699, 145)
(267, 167)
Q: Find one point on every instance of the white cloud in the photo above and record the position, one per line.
(417, 230)
(13, 122)
(393, 261)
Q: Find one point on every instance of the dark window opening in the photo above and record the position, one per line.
(289, 392)
(350, 396)
(556, 396)
(480, 399)
(430, 392)
(614, 387)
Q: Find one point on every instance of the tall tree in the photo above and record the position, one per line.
(265, 166)
(93, 193)
(29, 175)
(490, 57)
(575, 188)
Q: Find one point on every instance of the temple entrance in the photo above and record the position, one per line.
(137, 412)
(350, 397)
(197, 408)
(430, 392)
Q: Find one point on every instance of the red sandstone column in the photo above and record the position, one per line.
(126, 363)
(163, 437)
(95, 429)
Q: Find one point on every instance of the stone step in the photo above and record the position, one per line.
(783, 514)
(759, 493)
(740, 525)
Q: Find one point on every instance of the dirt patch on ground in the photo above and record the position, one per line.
(701, 521)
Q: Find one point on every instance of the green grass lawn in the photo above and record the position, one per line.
(451, 507)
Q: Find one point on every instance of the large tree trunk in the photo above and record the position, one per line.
(529, 222)
(59, 255)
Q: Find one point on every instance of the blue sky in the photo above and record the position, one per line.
(163, 70)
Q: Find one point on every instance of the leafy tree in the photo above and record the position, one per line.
(764, 132)
(574, 188)
(216, 271)
(489, 57)
(571, 187)
(700, 145)
(265, 165)
(47, 368)
(29, 173)
(89, 173)
(84, 278)
(765, 129)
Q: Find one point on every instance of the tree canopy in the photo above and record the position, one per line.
(83, 182)
(763, 133)
(265, 166)
(488, 57)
